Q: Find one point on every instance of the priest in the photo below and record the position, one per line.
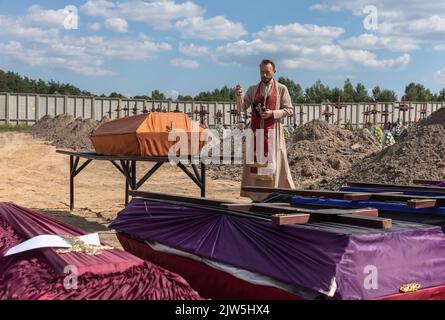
(269, 103)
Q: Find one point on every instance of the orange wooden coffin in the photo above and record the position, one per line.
(148, 135)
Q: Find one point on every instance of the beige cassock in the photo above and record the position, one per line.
(282, 177)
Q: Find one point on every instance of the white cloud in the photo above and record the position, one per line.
(82, 64)
(324, 7)
(333, 57)
(98, 8)
(368, 59)
(174, 94)
(94, 26)
(430, 25)
(216, 28)
(441, 72)
(120, 48)
(439, 47)
(287, 45)
(372, 42)
(16, 27)
(387, 8)
(116, 25)
(84, 55)
(159, 14)
(53, 18)
(297, 32)
(440, 75)
(184, 63)
(193, 50)
(416, 21)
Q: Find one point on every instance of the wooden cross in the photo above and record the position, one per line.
(234, 116)
(201, 114)
(125, 109)
(118, 110)
(403, 107)
(327, 113)
(135, 110)
(366, 115)
(423, 111)
(385, 114)
(218, 117)
(301, 115)
(339, 106)
(158, 109)
(374, 112)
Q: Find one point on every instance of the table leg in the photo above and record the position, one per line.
(127, 185)
(71, 183)
(133, 175)
(203, 180)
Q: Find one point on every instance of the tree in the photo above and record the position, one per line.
(317, 93)
(184, 98)
(376, 92)
(387, 96)
(348, 91)
(157, 95)
(336, 94)
(116, 95)
(295, 91)
(441, 95)
(417, 92)
(143, 97)
(361, 94)
(13, 82)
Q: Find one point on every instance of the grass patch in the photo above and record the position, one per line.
(10, 127)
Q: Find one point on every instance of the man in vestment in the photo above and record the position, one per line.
(270, 104)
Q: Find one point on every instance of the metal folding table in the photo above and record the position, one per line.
(127, 166)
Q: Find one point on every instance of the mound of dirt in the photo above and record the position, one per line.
(419, 155)
(320, 151)
(64, 131)
(317, 153)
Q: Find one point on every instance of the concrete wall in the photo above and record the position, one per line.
(17, 108)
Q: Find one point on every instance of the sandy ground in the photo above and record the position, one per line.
(33, 175)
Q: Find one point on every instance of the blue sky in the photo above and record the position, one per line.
(186, 47)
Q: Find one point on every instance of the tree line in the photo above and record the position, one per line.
(317, 93)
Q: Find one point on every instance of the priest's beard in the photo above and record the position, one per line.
(265, 80)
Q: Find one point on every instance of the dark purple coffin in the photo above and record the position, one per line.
(323, 257)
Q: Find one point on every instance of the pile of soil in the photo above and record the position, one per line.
(317, 153)
(419, 155)
(320, 152)
(227, 171)
(65, 131)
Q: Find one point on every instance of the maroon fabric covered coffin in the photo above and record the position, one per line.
(39, 274)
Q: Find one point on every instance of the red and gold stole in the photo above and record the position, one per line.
(267, 124)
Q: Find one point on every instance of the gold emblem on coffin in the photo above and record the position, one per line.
(78, 245)
(410, 287)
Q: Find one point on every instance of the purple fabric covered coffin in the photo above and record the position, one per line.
(333, 259)
(39, 274)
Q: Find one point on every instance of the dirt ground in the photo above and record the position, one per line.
(33, 175)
